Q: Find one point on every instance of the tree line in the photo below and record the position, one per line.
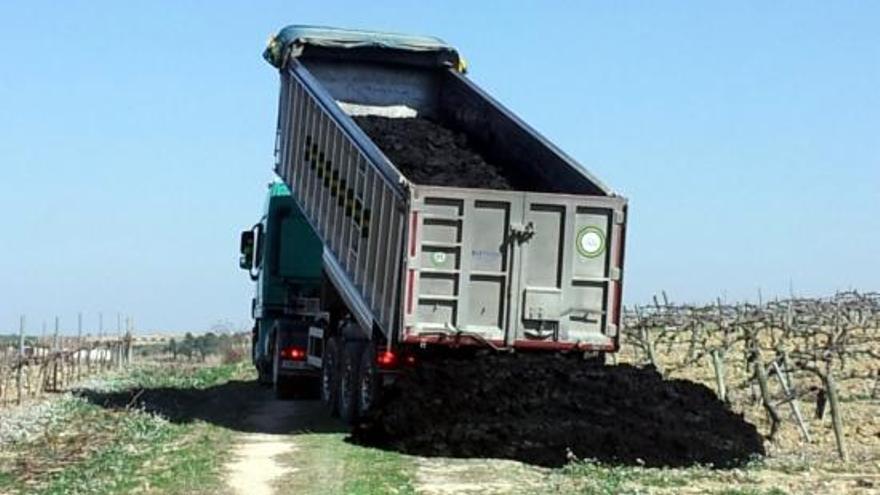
(202, 346)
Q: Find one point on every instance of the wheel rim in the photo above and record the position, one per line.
(366, 395)
(345, 393)
(327, 378)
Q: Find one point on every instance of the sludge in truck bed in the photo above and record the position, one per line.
(429, 153)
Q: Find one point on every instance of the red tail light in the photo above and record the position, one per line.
(294, 353)
(386, 359)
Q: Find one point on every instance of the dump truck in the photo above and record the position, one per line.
(416, 216)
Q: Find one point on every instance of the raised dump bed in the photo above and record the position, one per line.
(445, 218)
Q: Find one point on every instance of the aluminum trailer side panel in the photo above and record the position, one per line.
(353, 200)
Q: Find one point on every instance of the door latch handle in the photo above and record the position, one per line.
(520, 233)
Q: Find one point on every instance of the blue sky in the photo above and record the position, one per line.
(136, 140)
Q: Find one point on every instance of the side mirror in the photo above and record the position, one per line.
(246, 261)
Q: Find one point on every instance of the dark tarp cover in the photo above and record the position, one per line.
(290, 41)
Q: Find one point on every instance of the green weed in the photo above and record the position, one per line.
(751, 491)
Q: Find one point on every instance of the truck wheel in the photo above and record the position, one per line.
(348, 382)
(369, 382)
(330, 376)
(263, 377)
(254, 359)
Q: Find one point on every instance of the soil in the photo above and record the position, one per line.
(428, 153)
(548, 410)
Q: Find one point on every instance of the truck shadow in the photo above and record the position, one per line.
(236, 405)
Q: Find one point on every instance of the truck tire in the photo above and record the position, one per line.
(254, 347)
(264, 375)
(264, 378)
(330, 376)
(348, 381)
(369, 382)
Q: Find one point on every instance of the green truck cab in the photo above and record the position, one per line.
(283, 257)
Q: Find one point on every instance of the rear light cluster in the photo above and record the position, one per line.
(387, 359)
(294, 353)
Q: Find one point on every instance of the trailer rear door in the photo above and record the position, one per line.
(516, 269)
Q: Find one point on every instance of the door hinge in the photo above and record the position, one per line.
(614, 273)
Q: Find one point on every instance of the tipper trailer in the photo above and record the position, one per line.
(362, 271)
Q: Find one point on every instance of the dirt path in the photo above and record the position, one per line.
(255, 468)
(280, 444)
(254, 465)
(269, 432)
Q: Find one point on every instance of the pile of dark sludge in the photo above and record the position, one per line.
(548, 409)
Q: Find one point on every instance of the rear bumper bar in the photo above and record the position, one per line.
(464, 340)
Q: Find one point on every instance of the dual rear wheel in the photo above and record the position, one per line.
(350, 382)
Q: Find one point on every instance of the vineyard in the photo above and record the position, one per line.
(798, 379)
(797, 367)
(31, 367)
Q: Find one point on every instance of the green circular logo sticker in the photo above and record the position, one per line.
(439, 258)
(590, 242)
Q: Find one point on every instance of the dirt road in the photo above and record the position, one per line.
(446, 429)
(255, 462)
(269, 431)
(293, 447)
